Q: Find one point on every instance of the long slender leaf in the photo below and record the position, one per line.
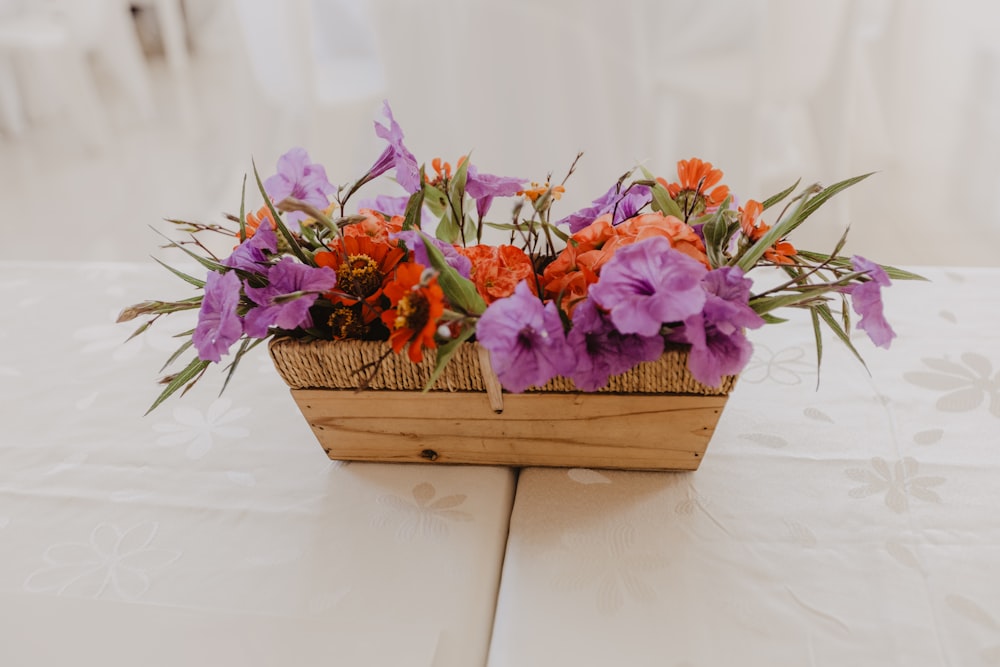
(749, 258)
(716, 232)
(180, 274)
(190, 371)
(775, 199)
(824, 312)
(414, 207)
(445, 353)
(823, 195)
(247, 345)
(819, 342)
(185, 346)
(460, 292)
(765, 304)
(891, 271)
(209, 264)
(140, 330)
(243, 210)
(292, 243)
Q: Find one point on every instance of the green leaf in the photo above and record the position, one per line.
(189, 373)
(414, 207)
(891, 271)
(209, 264)
(717, 232)
(819, 342)
(771, 319)
(447, 229)
(821, 197)
(243, 211)
(460, 292)
(247, 345)
(180, 274)
(446, 352)
(765, 304)
(140, 330)
(176, 355)
(823, 311)
(434, 199)
(662, 201)
(749, 258)
(292, 243)
(774, 199)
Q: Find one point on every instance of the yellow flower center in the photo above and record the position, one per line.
(344, 323)
(359, 275)
(412, 312)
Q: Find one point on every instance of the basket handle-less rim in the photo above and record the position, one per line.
(490, 380)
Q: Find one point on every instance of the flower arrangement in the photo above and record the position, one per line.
(653, 262)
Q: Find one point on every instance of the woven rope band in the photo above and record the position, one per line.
(341, 364)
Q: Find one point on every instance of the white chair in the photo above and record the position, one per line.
(51, 44)
(317, 75)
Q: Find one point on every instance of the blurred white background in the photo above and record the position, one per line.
(115, 114)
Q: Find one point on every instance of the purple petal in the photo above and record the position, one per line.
(525, 339)
(218, 324)
(648, 284)
(866, 300)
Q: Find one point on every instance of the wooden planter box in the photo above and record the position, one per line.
(655, 417)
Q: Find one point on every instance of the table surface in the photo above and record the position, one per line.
(214, 531)
(853, 524)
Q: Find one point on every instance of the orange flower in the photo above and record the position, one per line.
(416, 308)
(375, 226)
(496, 270)
(254, 221)
(443, 170)
(698, 190)
(782, 252)
(648, 225)
(537, 190)
(577, 267)
(363, 268)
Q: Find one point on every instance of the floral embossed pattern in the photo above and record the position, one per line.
(112, 560)
(423, 515)
(967, 385)
(898, 483)
(610, 561)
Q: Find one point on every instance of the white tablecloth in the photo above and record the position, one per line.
(214, 531)
(855, 525)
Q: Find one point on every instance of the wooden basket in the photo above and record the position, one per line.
(654, 417)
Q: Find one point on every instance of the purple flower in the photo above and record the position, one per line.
(624, 207)
(484, 187)
(718, 345)
(395, 155)
(600, 351)
(299, 178)
(218, 324)
(287, 277)
(249, 255)
(386, 205)
(648, 284)
(866, 299)
(415, 242)
(526, 340)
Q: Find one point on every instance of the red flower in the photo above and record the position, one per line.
(416, 308)
(364, 267)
